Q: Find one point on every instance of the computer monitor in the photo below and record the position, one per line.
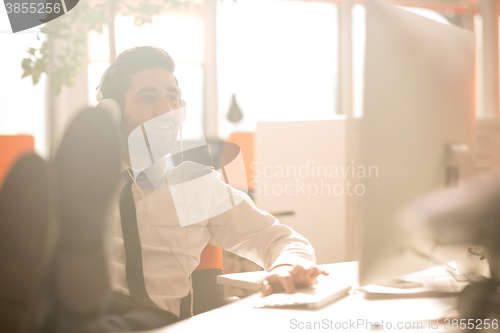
(419, 103)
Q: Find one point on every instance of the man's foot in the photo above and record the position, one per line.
(28, 235)
(87, 167)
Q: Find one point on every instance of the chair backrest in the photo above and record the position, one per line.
(208, 294)
(12, 147)
(211, 258)
(245, 140)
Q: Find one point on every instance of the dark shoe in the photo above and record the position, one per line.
(28, 236)
(87, 168)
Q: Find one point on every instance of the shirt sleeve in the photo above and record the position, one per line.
(256, 235)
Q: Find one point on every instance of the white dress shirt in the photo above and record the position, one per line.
(244, 230)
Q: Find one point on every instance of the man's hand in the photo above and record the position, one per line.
(287, 277)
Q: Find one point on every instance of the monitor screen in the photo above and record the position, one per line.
(419, 100)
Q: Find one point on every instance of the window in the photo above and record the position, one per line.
(279, 58)
(23, 105)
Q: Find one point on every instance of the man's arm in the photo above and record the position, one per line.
(258, 236)
(287, 277)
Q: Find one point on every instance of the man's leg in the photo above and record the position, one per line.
(87, 167)
(137, 317)
(122, 315)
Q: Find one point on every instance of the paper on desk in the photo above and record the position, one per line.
(436, 283)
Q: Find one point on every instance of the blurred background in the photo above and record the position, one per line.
(281, 60)
(238, 63)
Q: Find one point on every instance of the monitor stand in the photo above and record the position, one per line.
(460, 163)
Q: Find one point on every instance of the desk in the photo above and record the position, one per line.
(240, 316)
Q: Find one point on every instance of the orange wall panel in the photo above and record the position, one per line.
(11, 148)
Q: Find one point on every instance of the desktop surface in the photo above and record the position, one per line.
(352, 313)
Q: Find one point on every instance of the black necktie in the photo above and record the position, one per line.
(132, 243)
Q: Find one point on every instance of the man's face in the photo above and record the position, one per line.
(152, 92)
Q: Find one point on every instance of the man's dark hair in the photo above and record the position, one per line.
(116, 81)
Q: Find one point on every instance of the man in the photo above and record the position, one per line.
(141, 80)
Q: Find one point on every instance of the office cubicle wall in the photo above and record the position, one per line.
(304, 175)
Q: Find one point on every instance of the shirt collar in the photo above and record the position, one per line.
(154, 172)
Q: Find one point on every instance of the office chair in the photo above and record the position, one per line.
(208, 294)
(11, 148)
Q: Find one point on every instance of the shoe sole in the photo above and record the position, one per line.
(87, 167)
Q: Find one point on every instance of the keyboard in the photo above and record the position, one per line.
(325, 292)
